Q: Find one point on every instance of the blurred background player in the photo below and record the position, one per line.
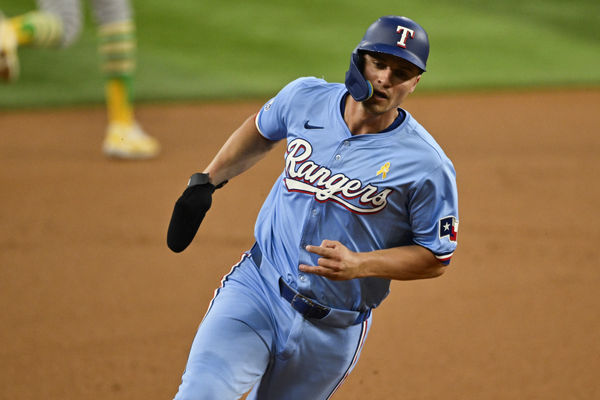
(57, 23)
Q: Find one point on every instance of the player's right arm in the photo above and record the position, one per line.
(244, 148)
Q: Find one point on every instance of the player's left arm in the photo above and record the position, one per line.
(337, 262)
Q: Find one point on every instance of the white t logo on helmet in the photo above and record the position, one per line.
(405, 32)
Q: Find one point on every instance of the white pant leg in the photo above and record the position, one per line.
(109, 11)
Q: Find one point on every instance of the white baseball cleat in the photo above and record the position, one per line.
(129, 142)
(9, 61)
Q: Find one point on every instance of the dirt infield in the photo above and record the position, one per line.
(95, 306)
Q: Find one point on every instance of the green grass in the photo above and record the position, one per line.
(202, 50)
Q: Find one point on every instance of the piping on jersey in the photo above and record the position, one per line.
(309, 177)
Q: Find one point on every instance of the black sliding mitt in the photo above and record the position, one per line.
(189, 211)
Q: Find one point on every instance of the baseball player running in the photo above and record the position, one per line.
(58, 23)
(366, 195)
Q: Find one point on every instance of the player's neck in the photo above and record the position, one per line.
(361, 120)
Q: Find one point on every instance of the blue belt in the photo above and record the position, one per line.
(306, 306)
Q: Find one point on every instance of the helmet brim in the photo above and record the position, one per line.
(393, 50)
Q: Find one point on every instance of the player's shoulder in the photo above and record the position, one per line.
(425, 142)
(311, 84)
(309, 81)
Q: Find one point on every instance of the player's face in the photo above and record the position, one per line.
(393, 79)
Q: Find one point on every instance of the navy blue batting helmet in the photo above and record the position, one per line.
(398, 36)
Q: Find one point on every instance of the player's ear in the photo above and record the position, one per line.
(416, 80)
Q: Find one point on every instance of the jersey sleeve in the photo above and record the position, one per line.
(434, 212)
(272, 119)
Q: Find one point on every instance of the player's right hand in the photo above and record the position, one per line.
(189, 211)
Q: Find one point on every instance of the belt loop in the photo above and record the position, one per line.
(363, 316)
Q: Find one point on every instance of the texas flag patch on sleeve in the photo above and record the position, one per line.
(448, 228)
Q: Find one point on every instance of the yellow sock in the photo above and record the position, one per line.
(118, 101)
(38, 28)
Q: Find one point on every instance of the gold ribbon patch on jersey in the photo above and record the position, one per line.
(384, 170)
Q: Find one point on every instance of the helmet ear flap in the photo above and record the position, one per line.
(360, 88)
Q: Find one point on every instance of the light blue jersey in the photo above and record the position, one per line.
(373, 191)
(370, 191)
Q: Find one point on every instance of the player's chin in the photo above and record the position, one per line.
(378, 106)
